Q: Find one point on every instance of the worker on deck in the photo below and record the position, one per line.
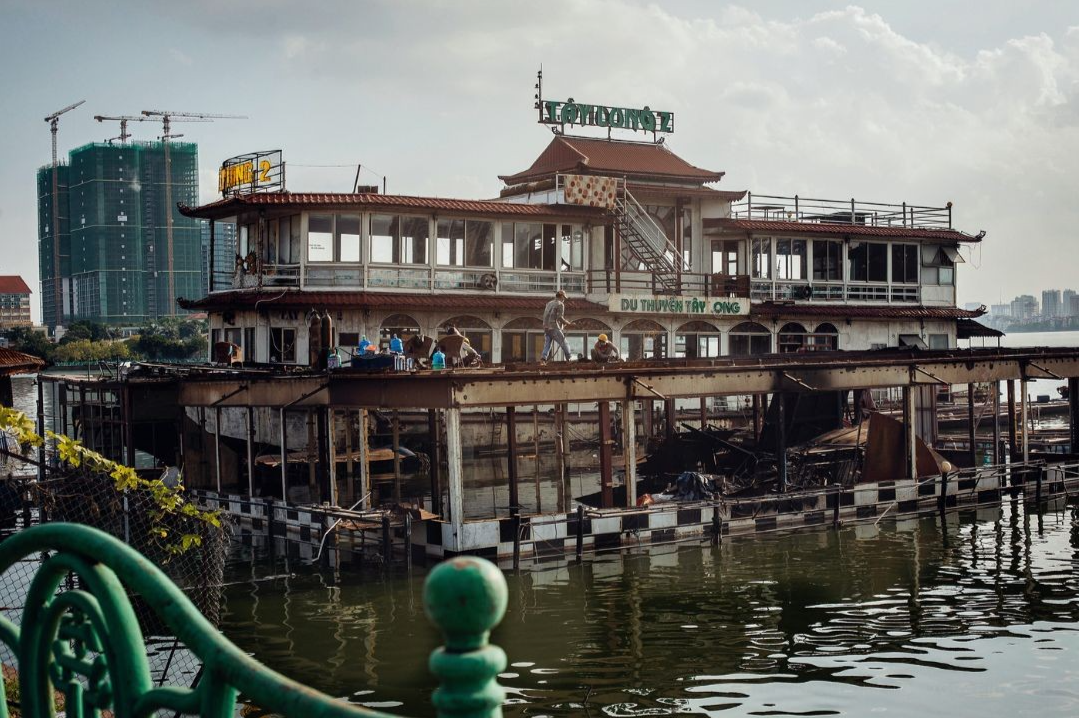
(469, 356)
(554, 320)
(604, 352)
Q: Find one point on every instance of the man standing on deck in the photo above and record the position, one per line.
(554, 319)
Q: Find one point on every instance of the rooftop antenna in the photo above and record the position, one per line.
(57, 282)
(167, 117)
(124, 119)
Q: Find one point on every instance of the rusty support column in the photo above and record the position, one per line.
(331, 454)
(997, 458)
(1013, 447)
(560, 456)
(217, 446)
(350, 477)
(704, 413)
(250, 452)
(648, 425)
(781, 442)
(629, 448)
(129, 427)
(41, 412)
(396, 424)
(971, 426)
(455, 476)
(365, 463)
(511, 459)
(756, 418)
(669, 413)
(606, 470)
(536, 455)
(910, 434)
(1073, 414)
(282, 438)
(434, 439)
(1024, 399)
(322, 483)
(312, 456)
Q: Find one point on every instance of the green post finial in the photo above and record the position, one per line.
(466, 597)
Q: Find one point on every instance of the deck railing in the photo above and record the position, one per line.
(832, 211)
(86, 644)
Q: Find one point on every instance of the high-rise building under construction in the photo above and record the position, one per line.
(116, 253)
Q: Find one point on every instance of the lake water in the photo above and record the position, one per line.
(975, 616)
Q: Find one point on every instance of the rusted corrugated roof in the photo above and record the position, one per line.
(836, 230)
(611, 157)
(307, 299)
(861, 311)
(367, 201)
(13, 284)
(13, 362)
(968, 328)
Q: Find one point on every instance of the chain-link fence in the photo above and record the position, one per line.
(134, 517)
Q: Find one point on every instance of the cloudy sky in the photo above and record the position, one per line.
(923, 102)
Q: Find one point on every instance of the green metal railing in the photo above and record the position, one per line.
(86, 643)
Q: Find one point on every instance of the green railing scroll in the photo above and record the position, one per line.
(86, 643)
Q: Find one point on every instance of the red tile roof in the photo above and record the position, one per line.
(308, 299)
(13, 284)
(861, 230)
(861, 311)
(642, 160)
(375, 201)
(13, 362)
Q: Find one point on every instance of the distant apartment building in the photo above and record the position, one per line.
(116, 259)
(1024, 307)
(1051, 303)
(999, 311)
(1068, 303)
(14, 302)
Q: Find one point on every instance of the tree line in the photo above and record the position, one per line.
(164, 339)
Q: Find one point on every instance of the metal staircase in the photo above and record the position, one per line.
(646, 242)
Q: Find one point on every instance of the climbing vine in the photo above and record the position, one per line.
(169, 501)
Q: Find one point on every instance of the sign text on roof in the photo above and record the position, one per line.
(559, 113)
(253, 172)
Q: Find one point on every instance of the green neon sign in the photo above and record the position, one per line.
(645, 119)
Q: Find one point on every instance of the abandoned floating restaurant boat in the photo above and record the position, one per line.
(755, 331)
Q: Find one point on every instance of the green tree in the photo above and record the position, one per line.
(28, 341)
(172, 339)
(85, 350)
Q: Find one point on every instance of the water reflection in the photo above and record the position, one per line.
(910, 615)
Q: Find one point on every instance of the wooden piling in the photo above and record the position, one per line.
(434, 438)
(387, 540)
(396, 424)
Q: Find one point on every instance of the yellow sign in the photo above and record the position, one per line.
(254, 172)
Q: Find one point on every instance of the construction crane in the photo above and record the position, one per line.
(57, 282)
(124, 119)
(167, 117)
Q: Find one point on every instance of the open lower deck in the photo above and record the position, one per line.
(552, 436)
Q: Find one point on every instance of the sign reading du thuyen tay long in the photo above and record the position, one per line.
(253, 172)
(647, 304)
(569, 112)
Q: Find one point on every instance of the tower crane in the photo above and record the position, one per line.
(57, 282)
(124, 119)
(167, 117)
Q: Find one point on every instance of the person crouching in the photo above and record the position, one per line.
(604, 352)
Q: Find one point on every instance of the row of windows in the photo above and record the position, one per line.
(821, 260)
(405, 239)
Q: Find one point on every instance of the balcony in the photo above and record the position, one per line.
(606, 281)
(842, 212)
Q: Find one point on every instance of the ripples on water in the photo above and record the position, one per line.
(977, 616)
